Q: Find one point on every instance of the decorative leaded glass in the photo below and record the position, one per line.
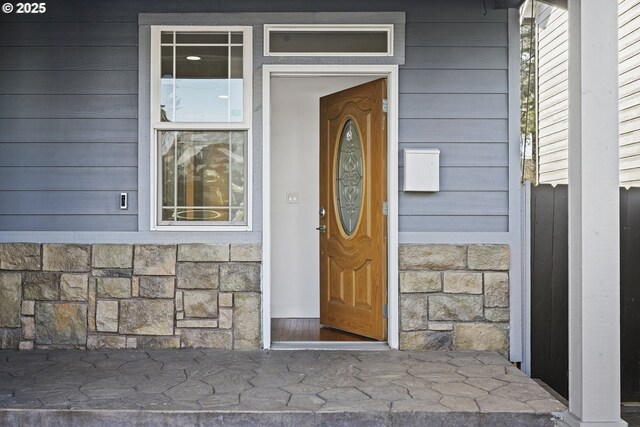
(349, 177)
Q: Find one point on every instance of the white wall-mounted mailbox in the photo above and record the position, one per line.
(421, 169)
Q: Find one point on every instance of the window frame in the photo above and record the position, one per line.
(388, 28)
(156, 126)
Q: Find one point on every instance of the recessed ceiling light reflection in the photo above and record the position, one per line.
(193, 58)
(223, 96)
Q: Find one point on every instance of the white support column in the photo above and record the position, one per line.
(594, 242)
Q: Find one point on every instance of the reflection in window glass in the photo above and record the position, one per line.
(195, 37)
(236, 38)
(288, 41)
(166, 37)
(202, 133)
(202, 176)
(201, 77)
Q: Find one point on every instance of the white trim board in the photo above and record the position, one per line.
(391, 73)
(518, 338)
(156, 125)
(329, 345)
(454, 238)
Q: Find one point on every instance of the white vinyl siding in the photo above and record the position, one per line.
(629, 68)
(553, 96)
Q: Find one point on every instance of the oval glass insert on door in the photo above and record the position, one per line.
(349, 175)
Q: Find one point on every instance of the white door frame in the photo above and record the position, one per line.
(324, 70)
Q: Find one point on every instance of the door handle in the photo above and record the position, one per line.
(322, 229)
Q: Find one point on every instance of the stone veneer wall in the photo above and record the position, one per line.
(130, 296)
(454, 297)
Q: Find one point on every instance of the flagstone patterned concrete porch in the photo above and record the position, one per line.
(213, 387)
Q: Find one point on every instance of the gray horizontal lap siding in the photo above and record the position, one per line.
(68, 114)
(69, 98)
(453, 96)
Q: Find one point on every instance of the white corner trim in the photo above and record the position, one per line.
(266, 208)
(393, 297)
(517, 335)
(526, 277)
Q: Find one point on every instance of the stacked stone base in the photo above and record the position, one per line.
(454, 297)
(130, 296)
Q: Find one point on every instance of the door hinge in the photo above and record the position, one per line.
(384, 311)
(385, 105)
(385, 208)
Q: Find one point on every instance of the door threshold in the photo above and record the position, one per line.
(329, 345)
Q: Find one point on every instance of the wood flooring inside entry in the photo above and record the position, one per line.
(308, 329)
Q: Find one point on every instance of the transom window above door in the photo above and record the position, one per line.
(328, 40)
(201, 150)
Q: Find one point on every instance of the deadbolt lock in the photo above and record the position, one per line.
(322, 213)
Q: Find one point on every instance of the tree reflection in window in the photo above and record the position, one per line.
(202, 176)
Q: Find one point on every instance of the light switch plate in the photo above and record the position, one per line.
(292, 197)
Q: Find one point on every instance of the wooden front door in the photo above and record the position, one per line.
(353, 222)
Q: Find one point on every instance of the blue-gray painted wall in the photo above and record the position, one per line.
(69, 111)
